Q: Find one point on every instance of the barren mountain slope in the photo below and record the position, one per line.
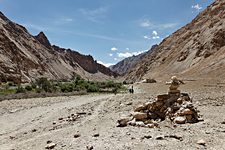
(197, 49)
(24, 57)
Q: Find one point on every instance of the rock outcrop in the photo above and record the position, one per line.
(195, 50)
(24, 57)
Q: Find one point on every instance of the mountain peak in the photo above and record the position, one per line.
(42, 38)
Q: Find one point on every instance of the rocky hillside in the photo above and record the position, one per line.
(127, 64)
(195, 50)
(24, 57)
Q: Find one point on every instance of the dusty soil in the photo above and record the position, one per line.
(30, 123)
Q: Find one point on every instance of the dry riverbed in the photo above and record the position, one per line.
(89, 121)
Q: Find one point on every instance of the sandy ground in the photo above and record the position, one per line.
(30, 123)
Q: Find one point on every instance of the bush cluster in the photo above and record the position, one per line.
(77, 84)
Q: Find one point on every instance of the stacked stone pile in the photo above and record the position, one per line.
(174, 106)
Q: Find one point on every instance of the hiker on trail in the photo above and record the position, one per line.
(131, 90)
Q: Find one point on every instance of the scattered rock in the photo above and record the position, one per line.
(60, 119)
(81, 113)
(147, 137)
(50, 146)
(96, 135)
(76, 135)
(139, 108)
(89, 147)
(123, 121)
(180, 120)
(159, 137)
(223, 122)
(12, 137)
(140, 115)
(129, 103)
(54, 122)
(201, 142)
(34, 130)
(175, 137)
(48, 142)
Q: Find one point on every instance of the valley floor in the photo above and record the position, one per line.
(28, 124)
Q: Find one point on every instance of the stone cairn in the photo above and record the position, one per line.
(174, 106)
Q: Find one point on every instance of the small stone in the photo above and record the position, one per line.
(162, 97)
(140, 116)
(61, 118)
(129, 103)
(12, 137)
(180, 120)
(139, 108)
(200, 119)
(50, 146)
(223, 122)
(150, 125)
(48, 142)
(159, 137)
(76, 135)
(132, 122)
(123, 121)
(140, 124)
(89, 147)
(34, 130)
(186, 112)
(147, 137)
(96, 135)
(54, 122)
(201, 142)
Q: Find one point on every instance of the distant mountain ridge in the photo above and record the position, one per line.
(24, 57)
(196, 50)
(126, 65)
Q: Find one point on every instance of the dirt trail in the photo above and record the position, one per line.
(28, 124)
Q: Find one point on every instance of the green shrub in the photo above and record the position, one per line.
(92, 88)
(67, 87)
(20, 89)
(28, 88)
(44, 84)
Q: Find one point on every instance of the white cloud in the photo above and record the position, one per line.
(147, 37)
(114, 49)
(197, 7)
(129, 54)
(155, 35)
(148, 24)
(105, 64)
(110, 54)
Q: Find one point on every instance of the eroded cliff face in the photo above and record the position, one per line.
(24, 57)
(197, 49)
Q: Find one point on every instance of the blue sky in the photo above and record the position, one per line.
(109, 30)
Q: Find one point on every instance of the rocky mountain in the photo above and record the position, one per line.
(196, 50)
(24, 57)
(127, 64)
